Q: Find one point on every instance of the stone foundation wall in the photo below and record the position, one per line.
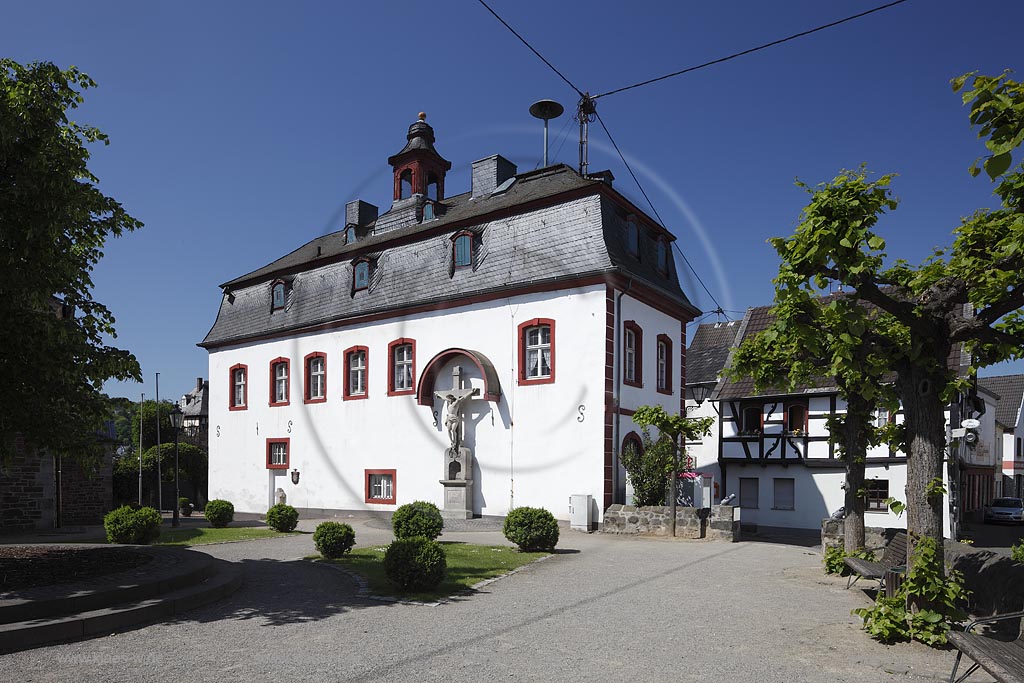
(832, 531)
(717, 523)
(28, 488)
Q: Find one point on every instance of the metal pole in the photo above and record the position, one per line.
(177, 493)
(142, 402)
(159, 476)
(672, 487)
(545, 143)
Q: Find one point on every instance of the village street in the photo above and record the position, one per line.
(604, 608)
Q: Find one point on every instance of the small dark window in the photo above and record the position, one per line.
(662, 256)
(633, 237)
(428, 212)
(751, 420)
(463, 251)
(361, 275)
(350, 235)
(796, 418)
(278, 296)
(876, 491)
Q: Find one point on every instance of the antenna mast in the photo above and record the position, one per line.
(586, 112)
(546, 110)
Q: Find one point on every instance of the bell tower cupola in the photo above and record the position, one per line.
(418, 168)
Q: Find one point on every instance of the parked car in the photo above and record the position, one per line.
(1005, 510)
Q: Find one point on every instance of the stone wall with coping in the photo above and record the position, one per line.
(717, 523)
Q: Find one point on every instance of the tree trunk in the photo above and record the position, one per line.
(855, 446)
(924, 416)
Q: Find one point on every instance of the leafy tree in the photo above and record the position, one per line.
(672, 428)
(971, 294)
(144, 422)
(191, 459)
(648, 469)
(53, 223)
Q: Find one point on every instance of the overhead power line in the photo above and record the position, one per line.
(745, 52)
(524, 42)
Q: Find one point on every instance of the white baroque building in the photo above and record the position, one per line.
(547, 291)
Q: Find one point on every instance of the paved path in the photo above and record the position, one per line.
(604, 609)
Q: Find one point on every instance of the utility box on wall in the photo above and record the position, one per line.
(580, 516)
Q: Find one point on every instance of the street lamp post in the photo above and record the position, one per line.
(176, 419)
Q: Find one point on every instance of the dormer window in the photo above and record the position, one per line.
(462, 250)
(277, 296)
(633, 237)
(662, 250)
(350, 235)
(428, 212)
(361, 275)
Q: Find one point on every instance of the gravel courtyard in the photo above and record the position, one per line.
(604, 608)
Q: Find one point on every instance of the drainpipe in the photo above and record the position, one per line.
(617, 430)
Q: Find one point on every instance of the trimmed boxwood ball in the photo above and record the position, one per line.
(129, 525)
(532, 529)
(415, 563)
(219, 513)
(283, 518)
(418, 518)
(333, 539)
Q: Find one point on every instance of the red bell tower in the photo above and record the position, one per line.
(419, 169)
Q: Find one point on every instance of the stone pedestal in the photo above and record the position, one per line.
(458, 499)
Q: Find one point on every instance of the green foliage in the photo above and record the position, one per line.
(1017, 552)
(418, 518)
(191, 459)
(415, 563)
(219, 513)
(935, 488)
(282, 517)
(333, 539)
(895, 505)
(935, 601)
(651, 468)
(128, 525)
(835, 556)
(184, 502)
(531, 529)
(53, 226)
(144, 423)
(648, 469)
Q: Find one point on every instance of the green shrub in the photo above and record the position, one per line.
(333, 539)
(835, 556)
(531, 529)
(283, 518)
(184, 502)
(1017, 552)
(415, 563)
(940, 596)
(126, 525)
(219, 513)
(418, 518)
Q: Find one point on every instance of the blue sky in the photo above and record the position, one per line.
(239, 130)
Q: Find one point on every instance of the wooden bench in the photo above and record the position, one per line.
(895, 555)
(1003, 660)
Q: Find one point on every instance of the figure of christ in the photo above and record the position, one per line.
(453, 419)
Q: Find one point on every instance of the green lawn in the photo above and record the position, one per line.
(468, 564)
(201, 535)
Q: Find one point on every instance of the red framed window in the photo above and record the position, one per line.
(796, 417)
(537, 351)
(314, 383)
(462, 250)
(632, 354)
(280, 376)
(381, 487)
(356, 372)
(238, 375)
(664, 364)
(278, 454)
(402, 367)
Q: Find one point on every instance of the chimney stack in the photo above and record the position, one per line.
(360, 213)
(489, 173)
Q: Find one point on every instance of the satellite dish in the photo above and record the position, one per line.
(970, 423)
(546, 110)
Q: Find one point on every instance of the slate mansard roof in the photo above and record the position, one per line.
(549, 226)
(709, 349)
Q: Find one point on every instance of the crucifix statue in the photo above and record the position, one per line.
(454, 399)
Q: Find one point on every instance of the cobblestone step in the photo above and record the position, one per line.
(219, 579)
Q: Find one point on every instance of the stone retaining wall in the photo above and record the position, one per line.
(717, 523)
